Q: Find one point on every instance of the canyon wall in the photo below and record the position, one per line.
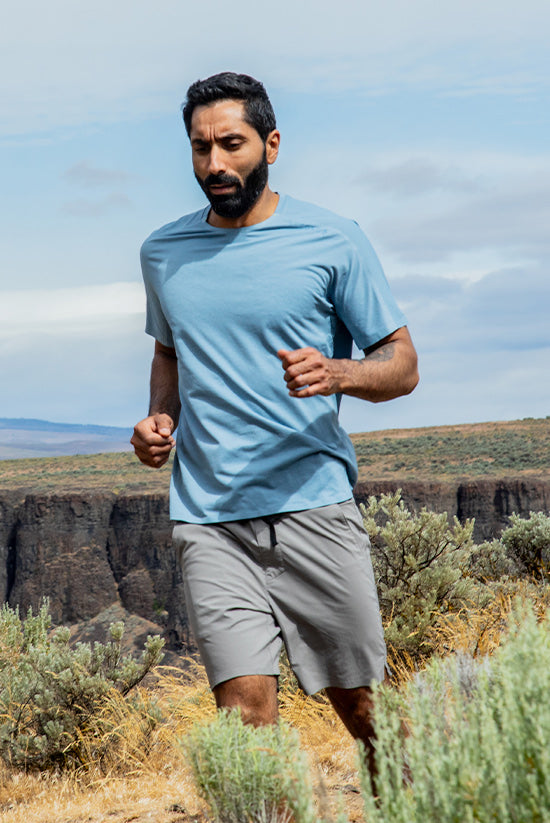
(90, 550)
(87, 551)
(489, 501)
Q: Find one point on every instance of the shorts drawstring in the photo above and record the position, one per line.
(270, 521)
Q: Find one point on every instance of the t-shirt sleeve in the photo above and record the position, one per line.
(155, 321)
(361, 295)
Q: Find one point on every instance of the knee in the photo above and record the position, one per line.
(254, 695)
(354, 707)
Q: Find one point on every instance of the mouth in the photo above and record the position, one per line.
(222, 188)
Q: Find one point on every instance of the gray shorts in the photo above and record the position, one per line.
(304, 579)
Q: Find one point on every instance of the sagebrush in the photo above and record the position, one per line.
(420, 565)
(51, 693)
(477, 747)
(247, 773)
(429, 571)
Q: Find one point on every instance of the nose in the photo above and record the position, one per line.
(216, 161)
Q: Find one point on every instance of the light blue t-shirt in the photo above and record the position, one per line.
(227, 300)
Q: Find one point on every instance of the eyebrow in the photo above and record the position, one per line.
(231, 136)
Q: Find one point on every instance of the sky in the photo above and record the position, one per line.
(427, 122)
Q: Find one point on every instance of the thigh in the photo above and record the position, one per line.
(227, 605)
(326, 599)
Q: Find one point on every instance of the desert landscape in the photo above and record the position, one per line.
(93, 533)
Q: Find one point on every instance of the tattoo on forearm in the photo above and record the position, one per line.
(382, 353)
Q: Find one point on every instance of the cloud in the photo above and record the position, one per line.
(86, 175)
(80, 354)
(519, 84)
(76, 354)
(461, 386)
(432, 209)
(89, 372)
(64, 64)
(418, 289)
(69, 311)
(417, 176)
(96, 208)
(505, 311)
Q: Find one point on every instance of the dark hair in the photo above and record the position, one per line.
(258, 111)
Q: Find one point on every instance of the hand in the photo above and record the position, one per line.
(152, 440)
(308, 367)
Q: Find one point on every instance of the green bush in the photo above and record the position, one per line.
(489, 563)
(522, 551)
(51, 693)
(421, 568)
(477, 748)
(527, 543)
(250, 774)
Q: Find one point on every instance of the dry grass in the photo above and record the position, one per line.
(156, 798)
(136, 769)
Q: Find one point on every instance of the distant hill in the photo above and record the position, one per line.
(20, 438)
(516, 448)
(510, 448)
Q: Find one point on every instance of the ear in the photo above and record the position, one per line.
(272, 146)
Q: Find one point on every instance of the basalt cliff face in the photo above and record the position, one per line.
(88, 551)
(489, 501)
(93, 550)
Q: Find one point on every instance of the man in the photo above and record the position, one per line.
(253, 303)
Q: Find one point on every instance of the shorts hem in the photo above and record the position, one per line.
(357, 682)
(231, 675)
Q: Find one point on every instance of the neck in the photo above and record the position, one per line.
(263, 208)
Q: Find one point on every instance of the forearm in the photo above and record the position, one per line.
(386, 372)
(164, 386)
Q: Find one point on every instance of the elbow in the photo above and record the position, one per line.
(409, 381)
(413, 378)
(410, 376)
(406, 385)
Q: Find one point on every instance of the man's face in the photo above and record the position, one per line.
(230, 159)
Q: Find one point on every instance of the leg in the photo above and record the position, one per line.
(255, 695)
(224, 574)
(354, 708)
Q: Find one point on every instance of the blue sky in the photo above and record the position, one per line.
(427, 123)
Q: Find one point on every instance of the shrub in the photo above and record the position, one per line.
(250, 774)
(421, 567)
(50, 693)
(522, 551)
(478, 743)
(490, 562)
(527, 543)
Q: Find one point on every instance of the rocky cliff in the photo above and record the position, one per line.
(90, 550)
(487, 500)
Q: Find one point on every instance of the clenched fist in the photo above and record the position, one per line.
(308, 372)
(152, 440)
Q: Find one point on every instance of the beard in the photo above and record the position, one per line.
(245, 195)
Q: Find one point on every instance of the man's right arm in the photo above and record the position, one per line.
(152, 439)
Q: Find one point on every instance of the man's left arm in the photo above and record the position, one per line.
(389, 369)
